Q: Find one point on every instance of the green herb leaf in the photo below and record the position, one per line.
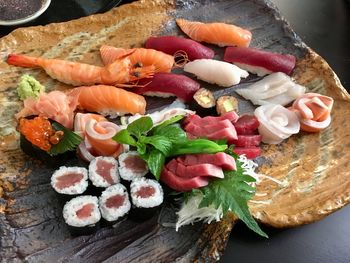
(155, 162)
(159, 142)
(141, 148)
(232, 194)
(173, 132)
(140, 126)
(124, 137)
(167, 123)
(69, 142)
(196, 146)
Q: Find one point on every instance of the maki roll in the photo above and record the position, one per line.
(114, 203)
(131, 166)
(146, 196)
(82, 214)
(103, 171)
(70, 180)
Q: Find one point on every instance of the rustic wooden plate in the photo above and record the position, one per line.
(313, 167)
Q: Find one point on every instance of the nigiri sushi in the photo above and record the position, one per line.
(314, 111)
(173, 44)
(259, 61)
(216, 72)
(167, 85)
(220, 34)
(277, 123)
(277, 88)
(140, 56)
(110, 101)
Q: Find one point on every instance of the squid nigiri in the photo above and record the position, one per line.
(277, 88)
(259, 61)
(220, 34)
(140, 57)
(173, 44)
(168, 84)
(216, 72)
(110, 101)
(314, 111)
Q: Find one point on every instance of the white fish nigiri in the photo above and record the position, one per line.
(277, 88)
(216, 72)
(277, 123)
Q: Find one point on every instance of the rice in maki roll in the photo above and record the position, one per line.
(114, 203)
(146, 196)
(131, 166)
(70, 180)
(103, 171)
(82, 214)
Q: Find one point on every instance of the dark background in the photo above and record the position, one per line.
(324, 25)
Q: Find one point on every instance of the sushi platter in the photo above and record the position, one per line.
(107, 157)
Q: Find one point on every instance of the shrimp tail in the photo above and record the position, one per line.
(23, 61)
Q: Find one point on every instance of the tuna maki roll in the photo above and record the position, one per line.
(132, 166)
(103, 171)
(70, 180)
(147, 197)
(114, 203)
(82, 214)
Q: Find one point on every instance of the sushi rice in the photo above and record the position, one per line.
(154, 200)
(71, 207)
(114, 213)
(76, 188)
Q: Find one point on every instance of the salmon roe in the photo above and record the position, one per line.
(39, 132)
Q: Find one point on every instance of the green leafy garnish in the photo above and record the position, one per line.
(69, 142)
(166, 123)
(155, 161)
(124, 137)
(140, 126)
(196, 146)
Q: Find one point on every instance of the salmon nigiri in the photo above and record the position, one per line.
(109, 100)
(140, 56)
(220, 34)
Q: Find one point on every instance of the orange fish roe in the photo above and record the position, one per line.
(38, 131)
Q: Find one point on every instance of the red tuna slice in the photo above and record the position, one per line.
(209, 120)
(85, 211)
(198, 128)
(168, 84)
(103, 168)
(202, 170)
(250, 152)
(259, 58)
(182, 184)
(145, 191)
(135, 163)
(246, 124)
(68, 179)
(173, 44)
(247, 140)
(223, 160)
(115, 201)
(220, 133)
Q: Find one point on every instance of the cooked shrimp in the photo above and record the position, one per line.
(117, 73)
(140, 56)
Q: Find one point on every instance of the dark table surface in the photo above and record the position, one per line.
(325, 27)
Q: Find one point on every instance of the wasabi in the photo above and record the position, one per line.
(29, 87)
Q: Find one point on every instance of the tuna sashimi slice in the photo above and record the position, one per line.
(223, 160)
(247, 140)
(209, 120)
(202, 170)
(273, 62)
(250, 152)
(201, 130)
(246, 124)
(182, 184)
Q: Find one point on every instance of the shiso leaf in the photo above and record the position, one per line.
(69, 142)
(155, 161)
(140, 126)
(159, 142)
(124, 137)
(166, 123)
(173, 132)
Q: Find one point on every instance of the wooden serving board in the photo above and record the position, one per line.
(313, 167)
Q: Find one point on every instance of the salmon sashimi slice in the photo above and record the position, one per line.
(220, 34)
(109, 100)
(140, 57)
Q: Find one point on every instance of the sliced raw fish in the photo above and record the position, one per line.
(247, 140)
(246, 125)
(223, 160)
(250, 152)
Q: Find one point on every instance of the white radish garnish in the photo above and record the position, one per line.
(277, 123)
(277, 88)
(216, 72)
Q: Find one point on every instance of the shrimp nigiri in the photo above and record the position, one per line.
(141, 56)
(109, 100)
(220, 34)
(117, 73)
